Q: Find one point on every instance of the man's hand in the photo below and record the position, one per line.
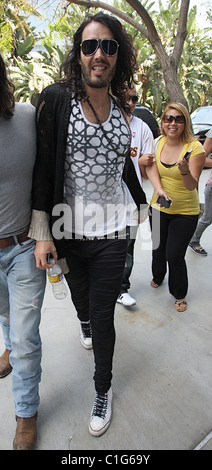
(146, 159)
(41, 251)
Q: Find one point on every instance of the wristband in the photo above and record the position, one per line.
(185, 174)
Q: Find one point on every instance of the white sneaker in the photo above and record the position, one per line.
(101, 413)
(86, 334)
(126, 299)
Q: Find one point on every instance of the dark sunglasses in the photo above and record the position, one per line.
(178, 119)
(133, 98)
(108, 46)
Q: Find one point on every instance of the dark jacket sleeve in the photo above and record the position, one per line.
(43, 177)
(52, 119)
(52, 113)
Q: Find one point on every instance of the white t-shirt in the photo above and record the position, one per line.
(141, 143)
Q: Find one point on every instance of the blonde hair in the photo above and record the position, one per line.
(187, 135)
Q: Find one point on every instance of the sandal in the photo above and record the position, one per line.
(153, 284)
(181, 305)
(198, 250)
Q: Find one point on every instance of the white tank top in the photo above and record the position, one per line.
(99, 200)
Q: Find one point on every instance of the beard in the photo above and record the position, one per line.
(97, 82)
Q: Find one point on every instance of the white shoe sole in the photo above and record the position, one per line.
(100, 431)
(86, 346)
(129, 305)
(125, 304)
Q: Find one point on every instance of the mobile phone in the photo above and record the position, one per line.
(163, 202)
(187, 155)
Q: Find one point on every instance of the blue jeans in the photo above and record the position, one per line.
(22, 288)
(206, 218)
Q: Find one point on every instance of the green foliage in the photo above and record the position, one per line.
(194, 71)
(6, 33)
(14, 27)
(6, 38)
(195, 65)
(30, 77)
(25, 46)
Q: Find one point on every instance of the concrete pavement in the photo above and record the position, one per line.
(162, 378)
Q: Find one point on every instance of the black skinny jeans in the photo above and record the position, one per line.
(95, 276)
(171, 234)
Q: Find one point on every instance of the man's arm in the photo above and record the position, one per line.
(43, 180)
(39, 230)
(208, 149)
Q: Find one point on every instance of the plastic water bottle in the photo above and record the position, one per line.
(56, 280)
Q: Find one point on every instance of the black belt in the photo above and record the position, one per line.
(111, 236)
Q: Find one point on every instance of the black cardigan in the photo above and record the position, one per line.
(52, 118)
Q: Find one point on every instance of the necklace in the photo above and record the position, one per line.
(102, 128)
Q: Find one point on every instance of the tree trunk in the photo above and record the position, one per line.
(169, 65)
(172, 84)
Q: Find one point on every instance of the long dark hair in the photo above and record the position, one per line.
(7, 102)
(126, 64)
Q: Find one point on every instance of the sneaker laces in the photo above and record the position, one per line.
(86, 329)
(100, 405)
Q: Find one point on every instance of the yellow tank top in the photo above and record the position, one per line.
(184, 201)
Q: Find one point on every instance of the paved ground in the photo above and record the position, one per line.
(162, 367)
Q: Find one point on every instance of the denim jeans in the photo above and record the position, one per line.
(22, 288)
(95, 275)
(206, 218)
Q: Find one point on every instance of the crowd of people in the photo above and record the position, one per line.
(71, 185)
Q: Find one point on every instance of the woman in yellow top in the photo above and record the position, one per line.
(173, 227)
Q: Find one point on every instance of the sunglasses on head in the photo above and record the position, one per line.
(133, 98)
(108, 46)
(178, 119)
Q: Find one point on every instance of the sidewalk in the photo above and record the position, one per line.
(162, 367)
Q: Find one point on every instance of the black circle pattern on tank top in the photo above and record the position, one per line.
(92, 168)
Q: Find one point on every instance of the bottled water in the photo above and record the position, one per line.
(56, 280)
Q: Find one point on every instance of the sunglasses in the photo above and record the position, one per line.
(134, 98)
(108, 46)
(168, 118)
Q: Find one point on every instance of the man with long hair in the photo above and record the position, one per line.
(22, 285)
(83, 140)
